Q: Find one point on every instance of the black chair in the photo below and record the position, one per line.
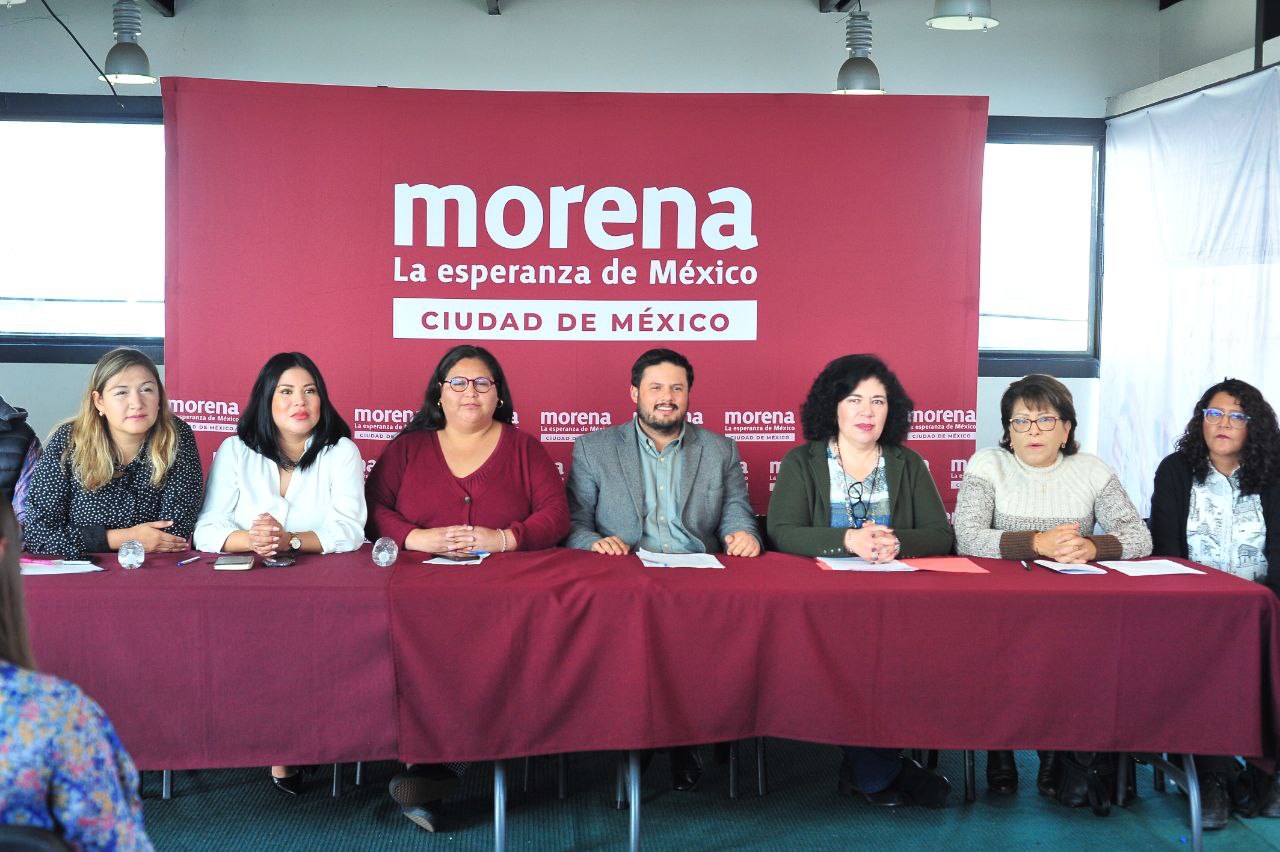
(24, 838)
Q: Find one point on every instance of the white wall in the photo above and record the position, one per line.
(1047, 57)
(1194, 32)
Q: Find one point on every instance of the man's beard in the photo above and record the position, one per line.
(662, 427)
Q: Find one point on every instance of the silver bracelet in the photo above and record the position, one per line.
(503, 533)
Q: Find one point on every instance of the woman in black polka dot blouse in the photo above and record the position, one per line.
(123, 468)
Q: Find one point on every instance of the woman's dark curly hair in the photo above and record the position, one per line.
(836, 381)
(1260, 456)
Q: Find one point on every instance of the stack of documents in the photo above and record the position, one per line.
(677, 560)
(45, 567)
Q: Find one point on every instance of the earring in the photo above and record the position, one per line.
(501, 401)
(438, 405)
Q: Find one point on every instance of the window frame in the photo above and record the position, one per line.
(75, 109)
(52, 348)
(1032, 130)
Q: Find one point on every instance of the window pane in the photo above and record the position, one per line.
(1037, 247)
(82, 249)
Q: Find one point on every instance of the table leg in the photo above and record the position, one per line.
(562, 776)
(733, 769)
(970, 777)
(762, 784)
(1193, 795)
(633, 791)
(499, 806)
(620, 786)
(336, 792)
(166, 784)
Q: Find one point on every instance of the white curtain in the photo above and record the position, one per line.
(1191, 265)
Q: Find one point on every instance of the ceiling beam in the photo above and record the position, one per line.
(835, 5)
(494, 7)
(164, 7)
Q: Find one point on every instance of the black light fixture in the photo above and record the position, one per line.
(858, 75)
(126, 61)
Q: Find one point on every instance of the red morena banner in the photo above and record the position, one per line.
(759, 235)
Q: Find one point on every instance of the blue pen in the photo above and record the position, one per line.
(479, 553)
(189, 561)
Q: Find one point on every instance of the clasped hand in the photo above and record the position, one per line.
(1064, 544)
(457, 540)
(875, 543)
(264, 535)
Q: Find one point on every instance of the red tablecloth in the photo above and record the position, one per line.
(203, 668)
(570, 651)
(566, 651)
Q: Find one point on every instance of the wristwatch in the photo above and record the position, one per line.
(295, 543)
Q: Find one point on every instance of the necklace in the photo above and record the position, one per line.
(286, 463)
(848, 482)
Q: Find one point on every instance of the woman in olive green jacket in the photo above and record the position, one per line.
(854, 490)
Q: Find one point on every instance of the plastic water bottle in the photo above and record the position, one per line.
(385, 552)
(131, 554)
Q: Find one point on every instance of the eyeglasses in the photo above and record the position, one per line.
(1047, 423)
(459, 384)
(1238, 418)
(859, 507)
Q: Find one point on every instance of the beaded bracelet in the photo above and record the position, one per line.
(503, 533)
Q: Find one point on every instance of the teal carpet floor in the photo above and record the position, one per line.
(237, 809)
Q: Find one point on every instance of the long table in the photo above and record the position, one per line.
(335, 659)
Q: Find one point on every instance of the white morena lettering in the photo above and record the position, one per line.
(384, 415)
(608, 217)
(203, 406)
(944, 415)
(759, 418)
(576, 418)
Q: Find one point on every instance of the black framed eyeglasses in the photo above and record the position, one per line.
(1046, 423)
(458, 384)
(858, 504)
(1237, 418)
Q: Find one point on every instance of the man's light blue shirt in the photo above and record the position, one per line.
(661, 473)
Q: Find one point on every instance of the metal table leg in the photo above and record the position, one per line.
(633, 791)
(620, 786)
(733, 769)
(166, 784)
(762, 783)
(499, 805)
(1187, 778)
(970, 777)
(562, 777)
(336, 792)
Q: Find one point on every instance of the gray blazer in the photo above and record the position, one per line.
(606, 496)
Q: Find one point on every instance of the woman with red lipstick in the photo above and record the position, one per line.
(123, 468)
(1217, 501)
(854, 490)
(290, 480)
(1036, 496)
(461, 479)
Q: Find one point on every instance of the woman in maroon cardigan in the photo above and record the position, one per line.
(461, 479)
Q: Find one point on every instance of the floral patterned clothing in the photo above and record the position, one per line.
(62, 767)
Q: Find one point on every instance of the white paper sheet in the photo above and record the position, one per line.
(855, 563)
(58, 566)
(1063, 568)
(1150, 568)
(677, 560)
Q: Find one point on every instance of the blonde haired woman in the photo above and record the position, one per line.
(123, 468)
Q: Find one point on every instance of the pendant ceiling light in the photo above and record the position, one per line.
(858, 75)
(961, 15)
(127, 61)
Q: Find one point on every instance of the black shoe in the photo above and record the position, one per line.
(290, 784)
(1215, 802)
(425, 816)
(1271, 801)
(921, 786)
(1044, 778)
(686, 768)
(1002, 772)
(423, 784)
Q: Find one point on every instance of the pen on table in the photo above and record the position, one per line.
(1025, 565)
(189, 561)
